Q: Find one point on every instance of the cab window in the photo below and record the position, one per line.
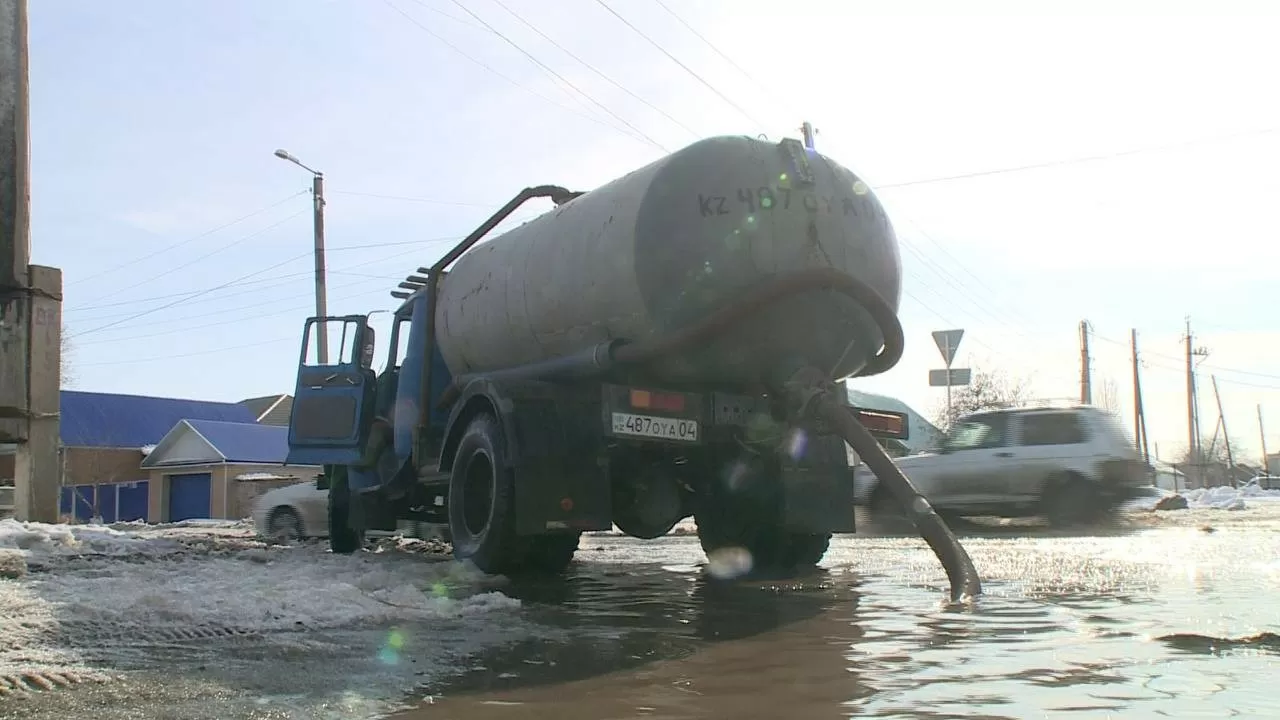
(977, 432)
(1052, 428)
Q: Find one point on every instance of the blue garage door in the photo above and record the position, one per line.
(133, 501)
(189, 496)
(82, 502)
(107, 503)
(65, 501)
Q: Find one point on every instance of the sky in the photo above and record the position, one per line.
(1113, 163)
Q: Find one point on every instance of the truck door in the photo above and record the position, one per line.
(333, 399)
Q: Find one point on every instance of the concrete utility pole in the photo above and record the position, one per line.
(317, 194)
(1086, 389)
(30, 296)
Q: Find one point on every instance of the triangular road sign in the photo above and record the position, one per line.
(947, 341)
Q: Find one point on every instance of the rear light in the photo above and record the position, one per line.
(646, 400)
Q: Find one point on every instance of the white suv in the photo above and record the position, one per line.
(1069, 464)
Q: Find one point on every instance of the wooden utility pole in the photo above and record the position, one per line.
(1139, 417)
(1086, 391)
(1262, 435)
(30, 297)
(1222, 420)
(1192, 444)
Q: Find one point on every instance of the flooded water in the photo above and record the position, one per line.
(1174, 616)
(1174, 621)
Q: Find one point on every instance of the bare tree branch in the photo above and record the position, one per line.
(1107, 396)
(68, 378)
(987, 390)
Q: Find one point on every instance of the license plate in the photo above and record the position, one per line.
(659, 428)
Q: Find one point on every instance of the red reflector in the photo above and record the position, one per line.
(888, 424)
(566, 504)
(671, 402)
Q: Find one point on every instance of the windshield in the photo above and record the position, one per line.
(973, 433)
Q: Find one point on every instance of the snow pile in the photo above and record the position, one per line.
(1219, 498)
(38, 540)
(1253, 492)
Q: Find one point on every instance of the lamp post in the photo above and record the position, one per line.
(317, 193)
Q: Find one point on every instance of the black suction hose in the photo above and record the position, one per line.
(961, 572)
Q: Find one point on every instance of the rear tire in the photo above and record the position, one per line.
(748, 518)
(343, 539)
(1071, 501)
(482, 516)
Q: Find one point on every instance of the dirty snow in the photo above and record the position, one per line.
(75, 592)
(1217, 498)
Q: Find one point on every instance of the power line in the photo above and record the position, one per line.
(593, 69)
(430, 201)
(1077, 160)
(240, 320)
(441, 13)
(161, 358)
(179, 301)
(490, 69)
(562, 78)
(717, 50)
(687, 69)
(227, 246)
(179, 244)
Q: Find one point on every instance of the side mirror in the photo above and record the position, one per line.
(369, 344)
(322, 481)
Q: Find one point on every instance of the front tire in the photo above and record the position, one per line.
(284, 526)
(482, 515)
(1071, 501)
(343, 538)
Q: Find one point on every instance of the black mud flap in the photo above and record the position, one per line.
(818, 488)
(370, 510)
(560, 484)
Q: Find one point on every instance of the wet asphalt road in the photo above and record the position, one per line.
(1168, 615)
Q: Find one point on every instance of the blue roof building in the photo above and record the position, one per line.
(107, 420)
(214, 442)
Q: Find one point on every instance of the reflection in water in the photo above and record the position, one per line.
(1077, 627)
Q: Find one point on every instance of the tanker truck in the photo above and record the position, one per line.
(667, 345)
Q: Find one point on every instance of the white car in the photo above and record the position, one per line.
(293, 512)
(1068, 464)
(301, 511)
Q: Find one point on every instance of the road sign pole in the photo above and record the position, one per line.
(948, 341)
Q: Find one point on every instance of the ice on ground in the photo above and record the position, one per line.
(92, 587)
(170, 578)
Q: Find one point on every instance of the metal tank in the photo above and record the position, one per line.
(660, 248)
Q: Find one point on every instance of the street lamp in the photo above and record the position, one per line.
(317, 193)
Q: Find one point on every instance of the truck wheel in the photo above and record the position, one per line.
(481, 500)
(1070, 500)
(343, 539)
